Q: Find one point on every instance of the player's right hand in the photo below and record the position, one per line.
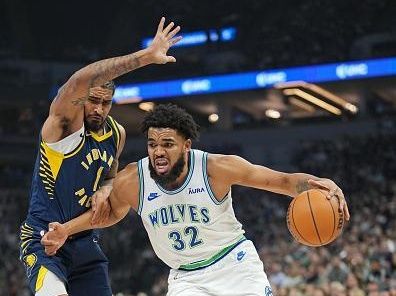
(101, 206)
(54, 239)
(163, 40)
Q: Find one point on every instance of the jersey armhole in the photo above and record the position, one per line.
(141, 187)
(207, 184)
(69, 145)
(116, 129)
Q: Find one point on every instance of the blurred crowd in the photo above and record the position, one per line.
(269, 34)
(362, 262)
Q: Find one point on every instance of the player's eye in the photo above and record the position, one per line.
(93, 100)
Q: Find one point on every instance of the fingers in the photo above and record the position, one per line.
(101, 211)
(106, 214)
(93, 203)
(168, 28)
(53, 226)
(170, 59)
(173, 41)
(346, 212)
(97, 214)
(173, 32)
(323, 186)
(161, 25)
(318, 184)
(50, 250)
(50, 246)
(343, 205)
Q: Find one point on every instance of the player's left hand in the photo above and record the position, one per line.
(54, 238)
(163, 40)
(100, 205)
(332, 189)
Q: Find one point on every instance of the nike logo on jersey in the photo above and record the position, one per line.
(240, 255)
(153, 195)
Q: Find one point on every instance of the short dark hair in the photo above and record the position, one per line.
(110, 85)
(174, 117)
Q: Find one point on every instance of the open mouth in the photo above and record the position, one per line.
(161, 165)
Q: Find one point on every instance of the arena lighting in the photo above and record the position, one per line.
(146, 106)
(318, 91)
(302, 105)
(352, 108)
(213, 118)
(256, 80)
(312, 99)
(272, 114)
(332, 97)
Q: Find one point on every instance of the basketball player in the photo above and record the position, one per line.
(76, 163)
(183, 196)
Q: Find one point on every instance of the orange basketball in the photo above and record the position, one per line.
(314, 220)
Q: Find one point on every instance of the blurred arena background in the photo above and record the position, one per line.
(280, 123)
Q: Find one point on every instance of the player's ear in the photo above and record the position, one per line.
(187, 145)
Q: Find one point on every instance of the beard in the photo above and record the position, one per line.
(93, 125)
(170, 177)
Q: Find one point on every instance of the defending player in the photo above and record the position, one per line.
(76, 163)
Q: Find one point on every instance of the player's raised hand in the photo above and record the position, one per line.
(332, 189)
(163, 40)
(54, 239)
(100, 205)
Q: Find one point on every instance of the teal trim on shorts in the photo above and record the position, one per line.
(141, 187)
(190, 173)
(215, 258)
(206, 180)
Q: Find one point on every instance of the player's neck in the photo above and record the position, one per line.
(101, 131)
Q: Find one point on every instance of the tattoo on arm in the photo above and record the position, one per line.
(302, 186)
(111, 68)
(79, 101)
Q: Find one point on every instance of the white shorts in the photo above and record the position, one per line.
(51, 285)
(239, 273)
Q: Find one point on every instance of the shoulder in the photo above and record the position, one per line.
(221, 163)
(222, 160)
(122, 132)
(120, 127)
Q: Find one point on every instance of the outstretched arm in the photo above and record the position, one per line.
(123, 196)
(221, 170)
(66, 111)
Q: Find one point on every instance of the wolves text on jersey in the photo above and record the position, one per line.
(179, 213)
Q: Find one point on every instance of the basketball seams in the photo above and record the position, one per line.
(334, 219)
(313, 218)
(295, 226)
(299, 218)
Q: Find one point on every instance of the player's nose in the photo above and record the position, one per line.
(99, 109)
(159, 151)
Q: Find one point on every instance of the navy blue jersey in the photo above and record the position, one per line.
(63, 184)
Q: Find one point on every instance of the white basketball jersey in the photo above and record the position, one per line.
(188, 228)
